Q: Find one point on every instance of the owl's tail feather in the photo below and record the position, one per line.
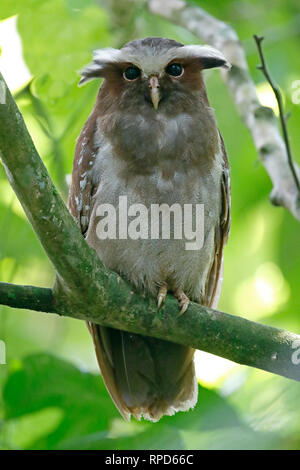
(103, 352)
(145, 377)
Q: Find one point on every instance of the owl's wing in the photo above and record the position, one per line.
(81, 204)
(82, 188)
(215, 278)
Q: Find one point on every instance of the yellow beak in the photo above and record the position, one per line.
(154, 91)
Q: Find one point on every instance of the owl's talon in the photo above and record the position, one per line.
(161, 297)
(183, 301)
(183, 308)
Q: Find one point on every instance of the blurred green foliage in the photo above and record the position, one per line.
(57, 402)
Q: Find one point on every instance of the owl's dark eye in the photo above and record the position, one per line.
(175, 70)
(131, 73)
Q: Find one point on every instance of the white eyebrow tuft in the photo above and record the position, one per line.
(201, 52)
(101, 57)
(106, 55)
(150, 59)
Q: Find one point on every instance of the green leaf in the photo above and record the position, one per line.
(41, 381)
(81, 414)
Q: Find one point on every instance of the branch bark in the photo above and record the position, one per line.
(260, 120)
(88, 291)
(29, 297)
(229, 336)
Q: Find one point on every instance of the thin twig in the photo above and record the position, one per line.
(283, 118)
(28, 297)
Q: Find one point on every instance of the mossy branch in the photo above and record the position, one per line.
(86, 290)
(116, 305)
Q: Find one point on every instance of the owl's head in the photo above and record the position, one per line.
(155, 72)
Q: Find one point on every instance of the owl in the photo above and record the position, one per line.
(152, 137)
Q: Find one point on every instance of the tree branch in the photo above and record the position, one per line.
(260, 120)
(86, 290)
(229, 336)
(45, 209)
(29, 297)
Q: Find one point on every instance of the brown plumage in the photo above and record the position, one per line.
(153, 138)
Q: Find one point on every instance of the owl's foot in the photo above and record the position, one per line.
(162, 294)
(183, 301)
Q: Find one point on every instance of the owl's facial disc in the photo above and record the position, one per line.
(154, 91)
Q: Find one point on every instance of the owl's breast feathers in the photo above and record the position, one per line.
(177, 160)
